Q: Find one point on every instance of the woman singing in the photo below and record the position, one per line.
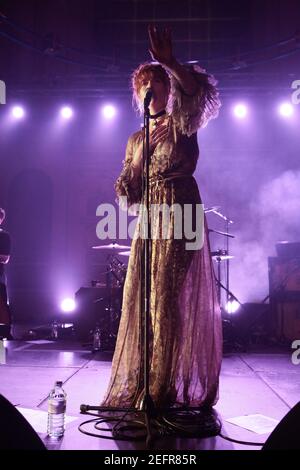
(185, 320)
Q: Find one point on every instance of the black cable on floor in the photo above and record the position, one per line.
(181, 423)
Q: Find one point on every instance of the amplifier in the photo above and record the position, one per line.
(284, 279)
(284, 289)
(286, 320)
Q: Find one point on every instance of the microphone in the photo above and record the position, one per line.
(147, 98)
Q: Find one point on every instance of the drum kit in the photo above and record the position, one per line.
(116, 274)
(109, 304)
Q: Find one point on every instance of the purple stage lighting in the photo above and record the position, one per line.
(109, 111)
(18, 112)
(286, 110)
(232, 306)
(240, 110)
(66, 112)
(68, 305)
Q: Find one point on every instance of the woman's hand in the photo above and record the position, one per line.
(161, 45)
(161, 51)
(158, 135)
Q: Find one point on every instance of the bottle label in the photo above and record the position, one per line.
(57, 407)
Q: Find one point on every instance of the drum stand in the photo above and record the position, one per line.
(219, 256)
(223, 254)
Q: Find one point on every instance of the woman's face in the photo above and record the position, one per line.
(159, 89)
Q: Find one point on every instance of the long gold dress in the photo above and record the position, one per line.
(186, 332)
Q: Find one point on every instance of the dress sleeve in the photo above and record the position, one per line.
(192, 112)
(129, 183)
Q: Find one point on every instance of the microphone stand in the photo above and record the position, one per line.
(147, 405)
(163, 423)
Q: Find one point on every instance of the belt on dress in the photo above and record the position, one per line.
(161, 179)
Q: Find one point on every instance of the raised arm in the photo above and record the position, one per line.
(161, 50)
(194, 96)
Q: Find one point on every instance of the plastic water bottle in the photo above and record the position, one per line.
(97, 339)
(56, 411)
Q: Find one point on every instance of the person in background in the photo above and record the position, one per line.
(5, 247)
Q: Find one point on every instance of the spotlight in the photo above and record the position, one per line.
(240, 111)
(232, 306)
(68, 305)
(66, 112)
(18, 112)
(286, 110)
(109, 111)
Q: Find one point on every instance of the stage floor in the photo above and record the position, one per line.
(260, 382)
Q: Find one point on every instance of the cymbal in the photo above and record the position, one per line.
(211, 209)
(221, 233)
(222, 257)
(111, 246)
(124, 253)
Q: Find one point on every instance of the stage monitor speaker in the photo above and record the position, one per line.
(15, 432)
(286, 435)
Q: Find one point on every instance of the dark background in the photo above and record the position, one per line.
(53, 177)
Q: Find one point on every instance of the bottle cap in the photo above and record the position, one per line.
(58, 383)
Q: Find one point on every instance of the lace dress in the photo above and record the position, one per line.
(185, 332)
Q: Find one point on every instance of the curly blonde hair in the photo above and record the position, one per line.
(138, 76)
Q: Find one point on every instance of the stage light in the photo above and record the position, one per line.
(240, 110)
(286, 110)
(66, 112)
(68, 305)
(232, 306)
(109, 111)
(18, 112)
